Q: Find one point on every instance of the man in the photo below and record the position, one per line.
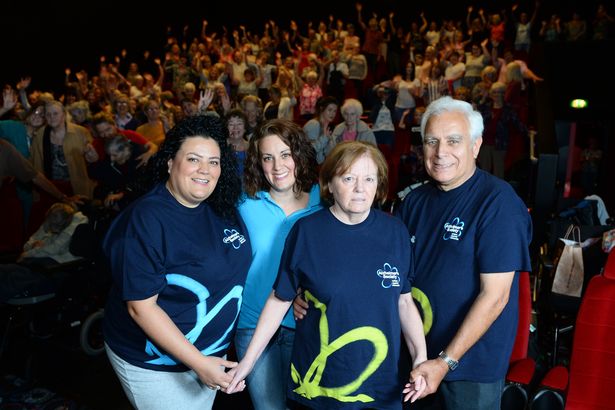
(470, 234)
(104, 128)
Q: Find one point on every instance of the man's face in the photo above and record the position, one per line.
(105, 130)
(450, 153)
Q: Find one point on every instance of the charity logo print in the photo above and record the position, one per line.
(389, 275)
(234, 238)
(453, 229)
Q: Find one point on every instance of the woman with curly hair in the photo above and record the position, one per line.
(279, 180)
(179, 257)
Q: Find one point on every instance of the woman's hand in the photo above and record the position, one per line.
(300, 307)
(414, 388)
(211, 371)
(239, 375)
(90, 154)
(205, 98)
(111, 199)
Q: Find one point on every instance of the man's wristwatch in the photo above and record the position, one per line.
(452, 364)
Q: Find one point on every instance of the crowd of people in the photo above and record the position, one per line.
(249, 171)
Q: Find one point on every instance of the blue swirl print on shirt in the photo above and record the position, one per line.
(203, 317)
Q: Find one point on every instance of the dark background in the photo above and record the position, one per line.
(41, 39)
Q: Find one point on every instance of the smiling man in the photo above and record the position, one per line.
(469, 233)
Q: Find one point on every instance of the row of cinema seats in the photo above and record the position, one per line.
(587, 382)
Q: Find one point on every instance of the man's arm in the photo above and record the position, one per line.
(491, 300)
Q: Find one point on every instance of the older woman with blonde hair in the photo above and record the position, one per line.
(353, 128)
(61, 151)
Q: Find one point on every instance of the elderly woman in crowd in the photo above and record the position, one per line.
(353, 128)
(61, 151)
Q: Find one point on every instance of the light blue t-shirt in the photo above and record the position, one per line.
(268, 227)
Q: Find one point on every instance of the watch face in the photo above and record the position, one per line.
(452, 364)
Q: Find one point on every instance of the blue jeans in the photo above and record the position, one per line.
(462, 395)
(267, 381)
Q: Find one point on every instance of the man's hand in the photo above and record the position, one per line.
(433, 371)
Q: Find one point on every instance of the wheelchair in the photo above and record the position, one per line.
(63, 304)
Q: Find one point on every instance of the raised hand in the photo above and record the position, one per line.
(206, 97)
(9, 99)
(25, 83)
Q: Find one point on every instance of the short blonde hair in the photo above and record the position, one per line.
(352, 103)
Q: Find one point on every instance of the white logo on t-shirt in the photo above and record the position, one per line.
(389, 275)
(234, 238)
(453, 229)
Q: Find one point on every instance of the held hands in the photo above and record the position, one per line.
(414, 389)
(433, 372)
(211, 371)
(239, 375)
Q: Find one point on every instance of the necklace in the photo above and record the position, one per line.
(56, 155)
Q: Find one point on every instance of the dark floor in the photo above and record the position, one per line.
(35, 366)
(43, 371)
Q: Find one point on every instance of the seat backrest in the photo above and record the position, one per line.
(591, 381)
(525, 316)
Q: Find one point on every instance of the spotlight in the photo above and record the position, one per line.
(578, 103)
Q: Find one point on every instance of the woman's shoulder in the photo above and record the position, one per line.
(311, 124)
(314, 220)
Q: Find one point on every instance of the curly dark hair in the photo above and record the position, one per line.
(225, 197)
(302, 151)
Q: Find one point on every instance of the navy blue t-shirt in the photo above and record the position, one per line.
(346, 349)
(195, 262)
(480, 227)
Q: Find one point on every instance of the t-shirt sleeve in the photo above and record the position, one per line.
(287, 282)
(136, 263)
(504, 235)
(135, 137)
